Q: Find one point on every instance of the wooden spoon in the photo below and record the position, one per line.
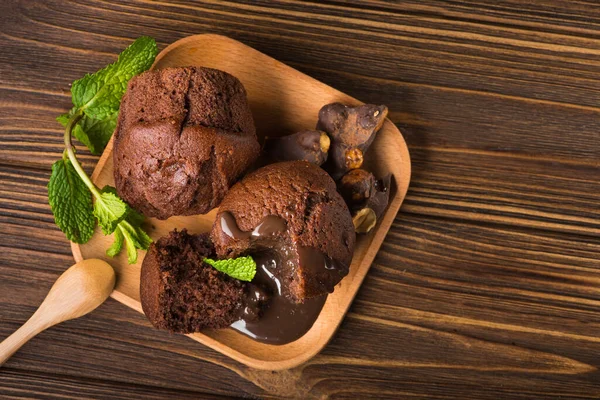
(79, 290)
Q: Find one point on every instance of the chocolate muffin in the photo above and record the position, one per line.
(292, 209)
(180, 292)
(184, 136)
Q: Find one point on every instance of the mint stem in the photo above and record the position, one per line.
(71, 154)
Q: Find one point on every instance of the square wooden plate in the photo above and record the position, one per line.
(283, 101)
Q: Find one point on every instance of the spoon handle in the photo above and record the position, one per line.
(11, 344)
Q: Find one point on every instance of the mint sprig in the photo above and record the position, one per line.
(70, 201)
(242, 268)
(92, 120)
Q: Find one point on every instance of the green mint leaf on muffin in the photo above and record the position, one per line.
(92, 120)
(242, 268)
(71, 203)
(99, 95)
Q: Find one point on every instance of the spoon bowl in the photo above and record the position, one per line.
(78, 291)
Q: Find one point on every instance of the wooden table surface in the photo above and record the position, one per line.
(486, 287)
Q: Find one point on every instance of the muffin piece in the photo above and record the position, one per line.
(180, 292)
(184, 136)
(316, 243)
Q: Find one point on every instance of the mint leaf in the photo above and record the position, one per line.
(71, 202)
(126, 225)
(135, 238)
(117, 245)
(99, 95)
(63, 119)
(242, 268)
(129, 232)
(109, 209)
(143, 239)
(134, 217)
(95, 133)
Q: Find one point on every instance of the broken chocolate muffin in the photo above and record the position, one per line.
(180, 292)
(183, 137)
(292, 209)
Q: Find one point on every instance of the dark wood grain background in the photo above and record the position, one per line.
(488, 284)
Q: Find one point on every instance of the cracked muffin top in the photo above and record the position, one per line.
(316, 219)
(184, 136)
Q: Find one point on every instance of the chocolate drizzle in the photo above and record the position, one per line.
(268, 314)
(271, 224)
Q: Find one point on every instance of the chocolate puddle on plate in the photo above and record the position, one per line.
(282, 321)
(268, 314)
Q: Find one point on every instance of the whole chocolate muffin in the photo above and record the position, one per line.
(183, 137)
(292, 209)
(180, 292)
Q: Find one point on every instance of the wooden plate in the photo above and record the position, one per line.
(283, 101)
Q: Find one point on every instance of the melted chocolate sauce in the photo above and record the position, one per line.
(269, 225)
(268, 314)
(280, 320)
